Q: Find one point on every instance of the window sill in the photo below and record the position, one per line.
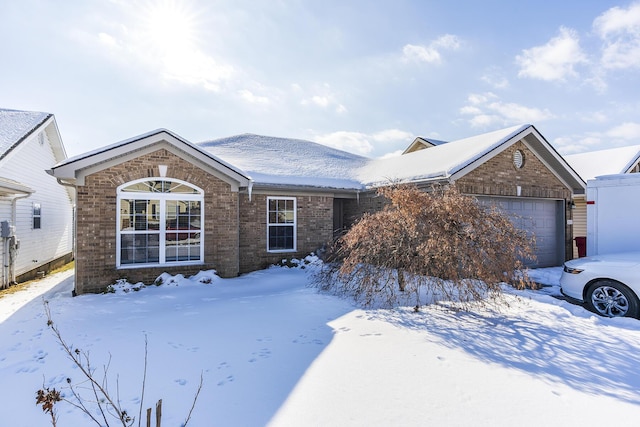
(165, 265)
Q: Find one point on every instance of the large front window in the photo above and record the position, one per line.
(159, 223)
(281, 224)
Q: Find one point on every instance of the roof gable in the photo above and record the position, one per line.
(75, 169)
(420, 143)
(455, 159)
(16, 126)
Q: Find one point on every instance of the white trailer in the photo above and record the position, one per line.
(613, 214)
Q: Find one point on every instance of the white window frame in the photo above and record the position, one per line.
(162, 198)
(36, 207)
(293, 224)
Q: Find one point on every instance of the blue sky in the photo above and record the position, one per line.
(364, 76)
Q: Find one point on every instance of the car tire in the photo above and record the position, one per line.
(612, 299)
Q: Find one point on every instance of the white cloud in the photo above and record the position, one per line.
(487, 110)
(626, 131)
(431, 54)
(324, 98)
(251, 98)
(470, 110)
(484, 120)
(448, 41)
(595, 117)
(618, 20)
(392, 135)
(107, 40)
(553, 61)
(354, 142)
(496, 80)
(363, 143)
(421, 54)
(517, 113)
(321, 101)
(617, 136)
(195, 68)
(619, 28)
(574, 144)
(481, 98)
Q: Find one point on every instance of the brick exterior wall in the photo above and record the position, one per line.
(495, 177)
(499, 177)
(235, 234)
(314, 229)
(96, 222)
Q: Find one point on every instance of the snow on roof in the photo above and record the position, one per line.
(285, 161)
(272, 160)
(114, 145)
(15, 125)
(438, 162)
(105, 150)
(604, 162)
(293, 162)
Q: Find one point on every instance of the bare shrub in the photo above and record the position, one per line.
(427, 246)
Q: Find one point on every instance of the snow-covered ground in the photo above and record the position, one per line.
(273, 351)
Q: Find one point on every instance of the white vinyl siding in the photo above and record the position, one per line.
(37, 216)
(27, 163)
(579, 213)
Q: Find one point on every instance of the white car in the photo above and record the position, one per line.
(609, 284)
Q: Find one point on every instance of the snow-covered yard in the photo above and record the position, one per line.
(273, 351)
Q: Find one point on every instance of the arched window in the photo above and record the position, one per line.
(159, 223)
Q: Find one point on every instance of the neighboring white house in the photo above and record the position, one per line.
(36, 213)
(598, 163)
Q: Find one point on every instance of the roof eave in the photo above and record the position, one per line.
(75, 168)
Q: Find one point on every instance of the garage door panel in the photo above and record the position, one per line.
(540, 218)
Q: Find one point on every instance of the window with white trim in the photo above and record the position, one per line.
(159, 223)
(281, 224)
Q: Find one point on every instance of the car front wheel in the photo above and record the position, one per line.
(612, 299)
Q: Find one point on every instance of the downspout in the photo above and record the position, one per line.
(74, 221)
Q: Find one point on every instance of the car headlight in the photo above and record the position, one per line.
(572, 270)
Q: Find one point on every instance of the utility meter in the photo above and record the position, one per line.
(6, 229)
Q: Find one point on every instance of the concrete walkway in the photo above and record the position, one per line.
(11, 303)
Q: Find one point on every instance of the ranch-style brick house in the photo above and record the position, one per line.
(157, 203)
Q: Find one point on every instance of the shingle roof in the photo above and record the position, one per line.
(16, 125)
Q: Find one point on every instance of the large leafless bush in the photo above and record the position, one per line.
(427, 247)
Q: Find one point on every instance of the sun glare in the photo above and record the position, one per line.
(168, 36)
(169, 25)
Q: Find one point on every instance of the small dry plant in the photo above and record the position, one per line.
(102, 407)
(437, 245)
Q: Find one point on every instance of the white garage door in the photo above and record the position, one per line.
(540, 217)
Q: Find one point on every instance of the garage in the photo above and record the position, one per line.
(543, 218)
